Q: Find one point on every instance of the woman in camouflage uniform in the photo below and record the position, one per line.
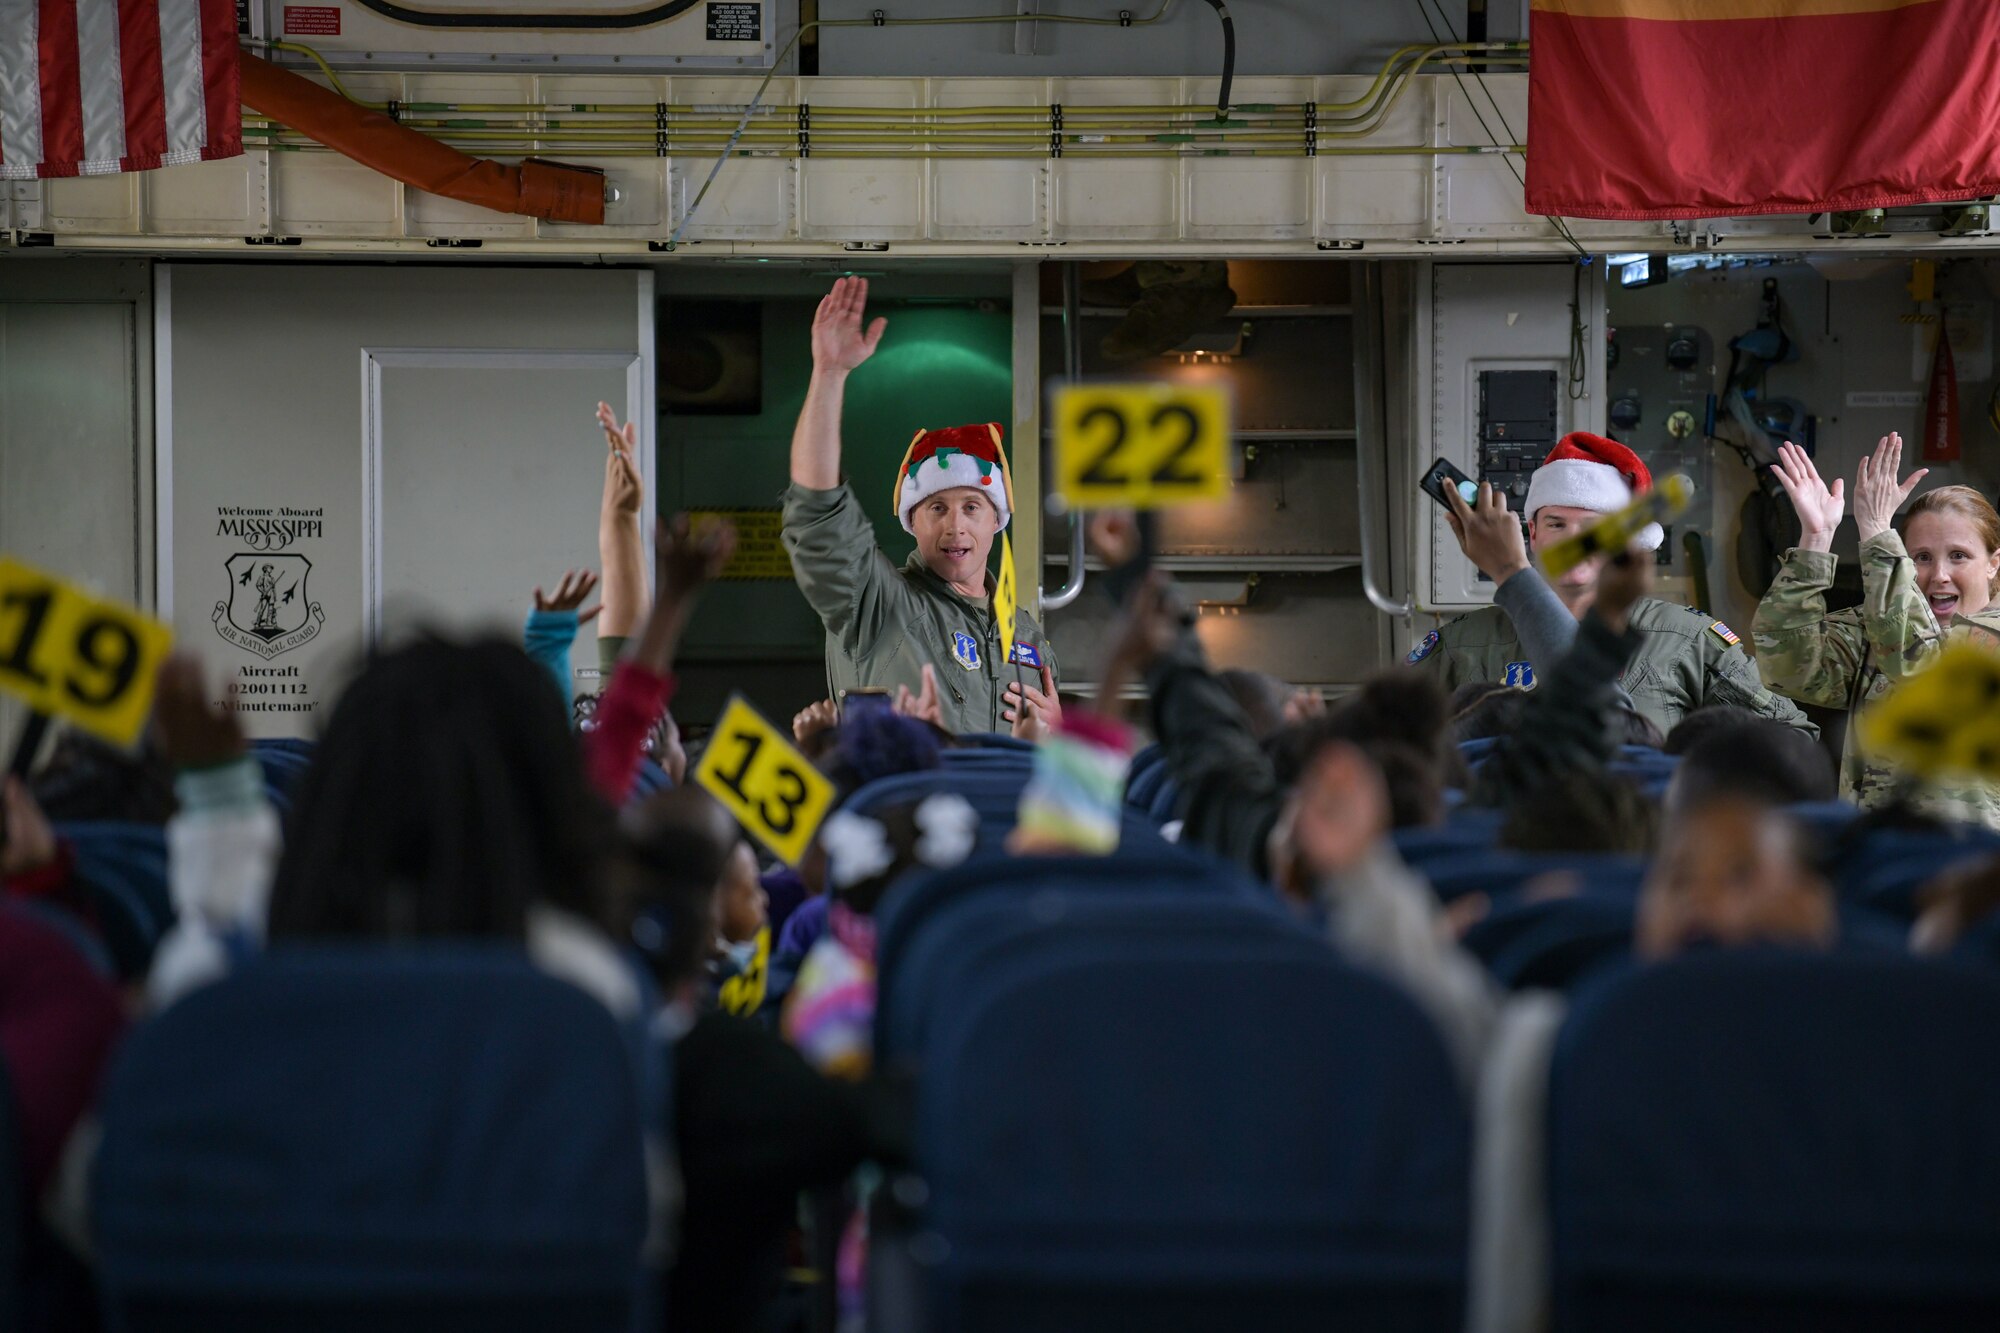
(1934, 582)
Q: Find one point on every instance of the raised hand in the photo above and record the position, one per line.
(622, 492)
(687, 558)
(1819, 508)
(1877, 493)
(839, 342)
(576, 585)
(1488, 532)
(194, 733)
(814, 719)
(923, 705)
(1112, 536)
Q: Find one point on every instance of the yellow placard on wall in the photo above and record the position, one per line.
(80, 657)
(753, 769)
(760, 549)
(1140, 446)
(1004, 603)
(1614, 532)
(1943, 721)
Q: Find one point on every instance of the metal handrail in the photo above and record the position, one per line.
(1370, 432)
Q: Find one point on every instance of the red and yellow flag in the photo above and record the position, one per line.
(1643, 109)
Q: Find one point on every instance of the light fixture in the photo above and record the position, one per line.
(1213, 345)
(1645, 271)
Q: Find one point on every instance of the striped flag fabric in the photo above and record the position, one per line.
(95, 87)
(1656, 109)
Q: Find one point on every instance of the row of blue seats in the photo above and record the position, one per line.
(1144, 1097)
(1880, 869)
(1150, 785)
(357, 1137)
(125, 868)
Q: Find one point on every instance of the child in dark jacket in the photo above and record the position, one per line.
(754, 1124)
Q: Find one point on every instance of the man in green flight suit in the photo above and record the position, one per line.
(884, 625)
(1687, 658)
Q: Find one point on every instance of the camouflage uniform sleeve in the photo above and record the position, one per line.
(842, 572)
(1802, 651)
(1894, 614)
(1729, 677)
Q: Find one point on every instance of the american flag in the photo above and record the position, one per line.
(95, 87)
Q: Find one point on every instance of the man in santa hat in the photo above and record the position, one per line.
(885, 624)
(1687, 658)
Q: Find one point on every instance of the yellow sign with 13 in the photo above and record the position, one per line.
(774, 792)
(80, 657)
(1140, 446)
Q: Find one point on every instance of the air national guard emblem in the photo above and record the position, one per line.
(1520, 675)
(268, 610)
(965, 649)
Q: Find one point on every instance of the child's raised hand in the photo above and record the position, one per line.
(576, 585)
(622, 492)
(689, 556)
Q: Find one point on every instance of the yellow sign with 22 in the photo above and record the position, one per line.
(66, 652)
(1140, 446)
(753, 769)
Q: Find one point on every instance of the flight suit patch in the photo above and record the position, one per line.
(1422, 650)
(965, 650)
(1724, 633)
(1025, 654)
(1519, 675)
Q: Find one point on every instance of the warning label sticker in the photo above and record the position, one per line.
(760, 548)
(312, 21)
(735, 21)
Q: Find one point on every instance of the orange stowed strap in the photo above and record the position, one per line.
(547, 190)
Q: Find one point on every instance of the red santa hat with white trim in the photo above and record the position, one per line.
(938, 460)
(1586, 471)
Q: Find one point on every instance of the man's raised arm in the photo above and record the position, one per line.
(839, 344)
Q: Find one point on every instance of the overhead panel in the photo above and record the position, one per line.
(635, 36)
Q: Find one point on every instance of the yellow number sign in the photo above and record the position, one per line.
(1140, 446)
(1614, 532)
(1943, 720)
(751, 767)
(66, 652)
(1004, 603)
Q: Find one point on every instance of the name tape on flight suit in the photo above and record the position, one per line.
(1140, 446)
(1943, 720)
(81, 657)
(1614, 532)
(774, 792)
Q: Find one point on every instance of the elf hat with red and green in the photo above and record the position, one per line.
(967, 456)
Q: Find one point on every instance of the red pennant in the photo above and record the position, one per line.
(1941, 404)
